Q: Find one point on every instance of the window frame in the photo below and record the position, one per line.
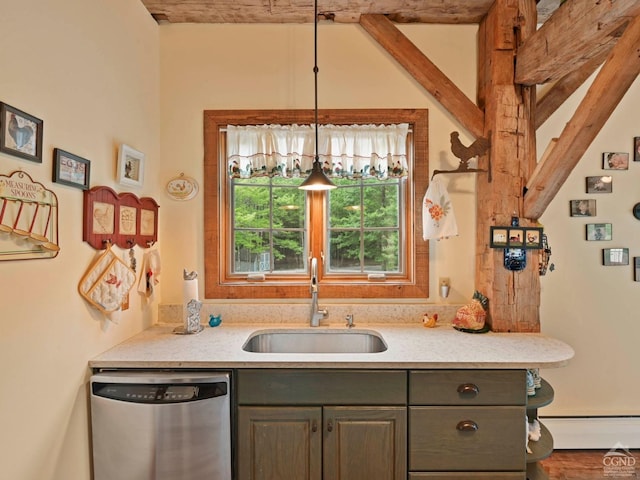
(219, 285)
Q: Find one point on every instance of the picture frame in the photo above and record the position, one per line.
(130, 169)
(615, 256)
(582, 208)
(636, 149)
(20, 133)
(596, 232)
(600, 184)
(516, 237)
(615, 161)
(70, 169)
(636, 269)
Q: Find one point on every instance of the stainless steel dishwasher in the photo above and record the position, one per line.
(161, 425)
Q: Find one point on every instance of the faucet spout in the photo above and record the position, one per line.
(316, 313)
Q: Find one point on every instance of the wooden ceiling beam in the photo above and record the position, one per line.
(566, 86)
(575, 33)
(607, 90)
(425, 72)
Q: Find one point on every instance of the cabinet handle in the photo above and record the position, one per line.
(314, 426)
(330, 426)
(468, 389)
(467, 426)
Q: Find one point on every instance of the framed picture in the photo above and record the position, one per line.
(70, 169)
(636, 269)
(600, 184)
(130, 166)
(615, 161)
(582, 208)
(20, 133)
(615, 256)
(636, 149)
(516, 237)
(533, 238)
(599, 232)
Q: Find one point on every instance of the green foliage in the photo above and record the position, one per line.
(269, 221)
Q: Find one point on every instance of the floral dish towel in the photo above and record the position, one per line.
(438, 219)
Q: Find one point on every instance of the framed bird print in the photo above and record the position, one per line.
(20, 133)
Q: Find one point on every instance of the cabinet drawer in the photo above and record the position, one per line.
(467, 439)
(467, 387)
(467, 476)
(321, 387)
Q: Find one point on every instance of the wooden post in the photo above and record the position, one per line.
(514, 297)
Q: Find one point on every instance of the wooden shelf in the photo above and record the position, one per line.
(544, 396)
(542, 448)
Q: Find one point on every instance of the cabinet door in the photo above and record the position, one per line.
(365, 443)
(277, 443)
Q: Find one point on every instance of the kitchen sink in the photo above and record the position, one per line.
(315, 341)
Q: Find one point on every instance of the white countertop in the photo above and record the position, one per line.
(408, 346)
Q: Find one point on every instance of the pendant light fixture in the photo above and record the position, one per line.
(316, 180)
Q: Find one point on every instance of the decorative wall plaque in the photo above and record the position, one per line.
(119, 219)
(28, 219)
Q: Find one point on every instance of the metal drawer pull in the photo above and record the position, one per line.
(467, 426)
(330, 426)
(468, 389)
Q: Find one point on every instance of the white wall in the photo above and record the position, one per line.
(90, 71)
(592, 307)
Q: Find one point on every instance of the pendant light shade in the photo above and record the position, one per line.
(316, 180)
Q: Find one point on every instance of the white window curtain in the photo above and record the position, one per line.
(348, 151)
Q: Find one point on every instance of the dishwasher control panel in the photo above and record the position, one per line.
(159, 393)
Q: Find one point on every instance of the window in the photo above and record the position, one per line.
(260, 231)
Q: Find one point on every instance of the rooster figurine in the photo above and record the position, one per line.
(467, 153)
(464, 154)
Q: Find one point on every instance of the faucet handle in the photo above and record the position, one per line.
(349, 319)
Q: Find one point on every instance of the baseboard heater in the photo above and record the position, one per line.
(599, 432)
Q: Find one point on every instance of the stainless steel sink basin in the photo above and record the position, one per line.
(315, 341)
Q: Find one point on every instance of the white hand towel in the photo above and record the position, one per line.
(438, 219)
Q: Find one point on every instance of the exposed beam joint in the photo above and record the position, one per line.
(607, 90)
(425, 72)
(578, 31)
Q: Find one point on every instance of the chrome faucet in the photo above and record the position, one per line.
(316, 313)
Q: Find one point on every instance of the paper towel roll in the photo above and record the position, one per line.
(189, 292)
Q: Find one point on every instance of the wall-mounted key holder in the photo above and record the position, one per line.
(120, 219)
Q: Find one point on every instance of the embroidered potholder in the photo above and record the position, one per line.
(107, 282)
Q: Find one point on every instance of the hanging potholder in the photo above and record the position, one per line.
(107, 282)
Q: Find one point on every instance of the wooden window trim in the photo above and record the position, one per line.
(216, 286)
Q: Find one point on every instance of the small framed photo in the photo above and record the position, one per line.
(582, 208)
(615, 256)
(130, 166)
(516, 237)
(533, 238)
(499, 237)
(599, 232)
(70, 169)
(636, 149)
(636, 269)
(600, 184)
(615, 161)
(20, 133)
